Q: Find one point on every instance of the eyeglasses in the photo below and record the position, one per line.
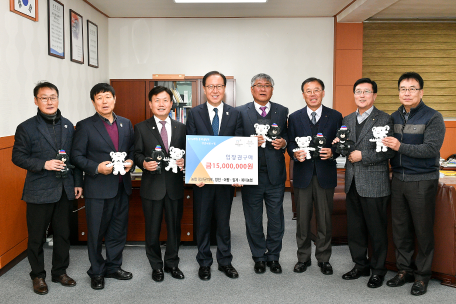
(365, 92)
(260, 86)
(412, 90)
(45, 99)
(310, 92)
(212, 87)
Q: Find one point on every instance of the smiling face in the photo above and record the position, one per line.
(160, 105)
(262, 95)
(313, 95)
(408, 99)
(47, 100)
(364, 101)
(104, 104)
(214, 96)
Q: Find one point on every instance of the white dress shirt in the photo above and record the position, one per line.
(318, 111)
(257, 107)
(211, 108)
(167, 126)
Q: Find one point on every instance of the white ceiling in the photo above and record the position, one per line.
(357, 11)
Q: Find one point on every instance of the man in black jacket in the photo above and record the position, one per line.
(42, 146)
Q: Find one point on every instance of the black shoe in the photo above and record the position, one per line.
(260, 267)
(120, 274)
(418, 288)
(229, 271)
(97, 282)
(158, 275)
(204, 273)
(274, 266)
(325, 268)
(401, 278)
(65, 280)
(175, 272)
(375, 281)
(301, 267)
(355, 273)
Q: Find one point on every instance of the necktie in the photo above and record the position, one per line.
(314, 119)
(263, 109)
(164, 135)
(215, 123)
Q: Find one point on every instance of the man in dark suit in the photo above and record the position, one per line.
(160, 188)
(42, 145)
(106, 195)
(271, 176)
(214, 118)
(314, 179)
(367, 185)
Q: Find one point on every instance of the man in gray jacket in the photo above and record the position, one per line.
(367, 185)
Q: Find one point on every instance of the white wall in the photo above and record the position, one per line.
(288, 49)
(24, 61)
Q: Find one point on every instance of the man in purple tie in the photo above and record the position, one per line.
(271, 176)
(161, 189)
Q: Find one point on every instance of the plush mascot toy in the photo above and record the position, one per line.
(380, 133)
(318, 142)
(157, 156)
(64, 158)
(344, 146)
(261, 130)
(175, 154)
(303, 144)
(118, 162)
(273, 133)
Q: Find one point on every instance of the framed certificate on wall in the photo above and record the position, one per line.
(92, 44)
(76, 37)
(56, 29)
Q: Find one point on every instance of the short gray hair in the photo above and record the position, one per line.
(261, 76)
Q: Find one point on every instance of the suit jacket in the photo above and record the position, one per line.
(371, 174)
(155, 186)
(33, 146)
(199, 123)
(299, 126)
(275, 159)
(91, 146)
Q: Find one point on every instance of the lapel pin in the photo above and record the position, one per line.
(153, 128)
(66, 126)
(121, 125)
(227, 113)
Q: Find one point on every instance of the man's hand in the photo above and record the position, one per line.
(150, 166)
(54, 165)
(237, 185)
(180, 163)
(355, 156)
(335, 141)
(300, 155)
(261, 140)
(128, 167)
(325, 153)
(77, 192)
(200, 184)
(102, 169)
(392, 143)
(279, 143)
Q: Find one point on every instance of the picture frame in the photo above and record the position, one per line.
(92, 44)
(76, 37)
(25, 8)
(56, 29)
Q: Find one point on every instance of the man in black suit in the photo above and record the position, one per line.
(271, 176)
(214, 118)
(161, 188)
(315, 178)
(106, 195)
(42, 144)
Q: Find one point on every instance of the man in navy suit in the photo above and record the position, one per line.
(271, 175)
(41, 146)
(161, 189)
(106, 195)
(315, 178)
(214, 118)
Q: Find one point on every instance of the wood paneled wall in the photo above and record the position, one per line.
(428, 48)
(13, 225)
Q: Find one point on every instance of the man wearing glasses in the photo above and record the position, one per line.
(314, 179)
(418, 136)
(42, 146)
(214, 118)
(271, 176)
(367, 185)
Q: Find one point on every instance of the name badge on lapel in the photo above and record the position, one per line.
(121, 125)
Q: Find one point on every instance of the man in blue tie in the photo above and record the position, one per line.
(217, 119)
